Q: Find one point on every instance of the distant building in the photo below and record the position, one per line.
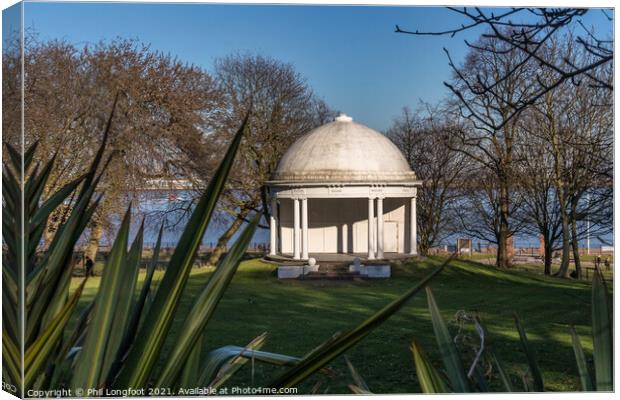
(335, 183)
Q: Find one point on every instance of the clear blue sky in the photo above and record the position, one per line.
(349, 55)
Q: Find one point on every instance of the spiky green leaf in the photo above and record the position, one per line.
(90, 361)
(602, 338)
(11, 359)
(205, 305)
(449, 354)
(38, 353)
(16, 159)
(231, 366)
(43, 212)
(145, 350)
(502, 372)
(338, 344)
(429, 378)
(218, 358)
(537, 380)
(360, 385)
(582, 365)
(191, 368)
(29, 154)
(124, 302)
(140, 305)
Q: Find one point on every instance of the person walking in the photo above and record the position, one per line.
(607, 263)
(89, 264)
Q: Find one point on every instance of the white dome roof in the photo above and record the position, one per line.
(343, 151)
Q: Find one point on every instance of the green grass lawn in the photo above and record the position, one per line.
(538, 267)
(300, 315)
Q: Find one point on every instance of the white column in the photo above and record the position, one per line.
(380, 238)
(273, 227)
(371, 228)
(296, 229)
(345, 238)
(413, 235)
(304, 229)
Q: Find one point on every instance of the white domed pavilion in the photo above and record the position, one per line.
(333, 184)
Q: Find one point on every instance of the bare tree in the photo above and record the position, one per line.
(573, 124)
(482, 214)
(489, 133)
(158, 130)
(525, 35)
(419, 135)
(590, 137)
(283, 108)
(536, 182)
(525, 32)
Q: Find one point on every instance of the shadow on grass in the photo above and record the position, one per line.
(301, 315)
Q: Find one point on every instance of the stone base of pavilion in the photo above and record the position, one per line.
(335, 266)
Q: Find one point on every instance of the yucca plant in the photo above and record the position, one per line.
(37, 285)
(602, 340)
(359, 386)
(341, 342)
(456, 379)
(117, 339)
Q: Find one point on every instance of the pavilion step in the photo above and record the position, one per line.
(332, 275)
(334, 267)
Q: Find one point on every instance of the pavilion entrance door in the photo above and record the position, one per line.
(390, 234)
(323, 239)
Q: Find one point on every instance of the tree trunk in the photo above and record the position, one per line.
(574, 240)
(547, 248)
(563, 271)
(548, 255)
(561, 194)
(423, 245)
(96, 232)
(503, 258)
(502, 249)
(223, 240)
